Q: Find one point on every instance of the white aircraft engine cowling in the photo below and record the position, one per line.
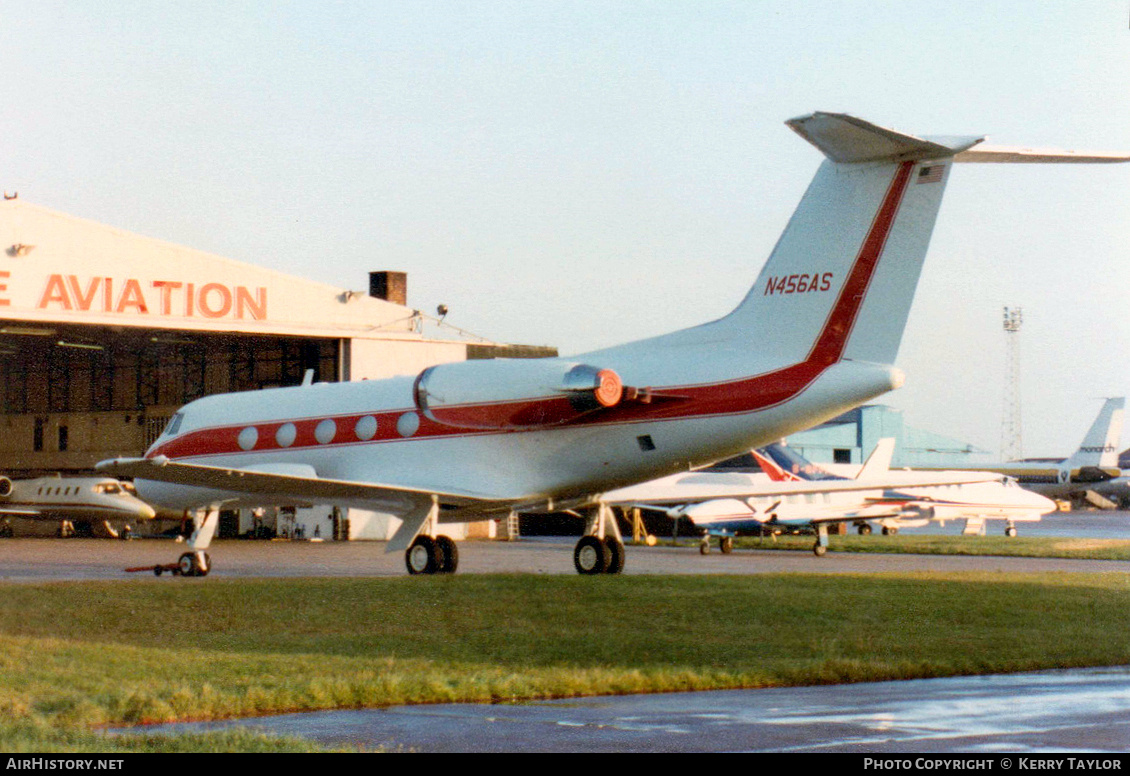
(5, 487)
(515, 393)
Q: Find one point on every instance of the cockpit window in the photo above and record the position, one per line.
(174, 424)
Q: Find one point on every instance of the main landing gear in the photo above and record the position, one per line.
(601, 549)
(428, 555)
(429, 552)
(725, 545)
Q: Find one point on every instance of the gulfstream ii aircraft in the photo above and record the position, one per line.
(816, 335)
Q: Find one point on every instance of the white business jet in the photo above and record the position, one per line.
(816, 335)
(786, 492)
(98, 506)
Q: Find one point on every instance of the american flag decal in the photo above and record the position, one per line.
(931, 173)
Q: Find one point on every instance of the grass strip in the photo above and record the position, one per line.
(76, 655)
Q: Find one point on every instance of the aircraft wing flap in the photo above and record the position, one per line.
(306, 487)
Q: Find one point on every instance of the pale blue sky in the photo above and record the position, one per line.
(585, 173)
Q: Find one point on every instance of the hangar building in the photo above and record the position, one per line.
(103, 334)
(850, 438)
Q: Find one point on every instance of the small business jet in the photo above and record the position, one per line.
(789, 492)
(816, 335)
(1093, 467)
(98, 506)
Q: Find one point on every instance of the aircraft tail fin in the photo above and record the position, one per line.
(1100, 445)
(772, 468)
(879, 462)
(784, 464)
(844, 272)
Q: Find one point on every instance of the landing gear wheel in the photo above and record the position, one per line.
(450, 553)
(819, 549)
(704, 546)
(424, 556)
(864, 529)
(889, 531)
(590, 556)
(1010, 531)
(615, 555)
(194, 564)
(726, 544)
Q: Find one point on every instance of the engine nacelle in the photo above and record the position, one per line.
(5, 487)
(515, 393)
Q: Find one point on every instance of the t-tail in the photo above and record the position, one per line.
(844, 271)
(839, 283)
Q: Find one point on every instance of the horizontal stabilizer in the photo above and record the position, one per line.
(1009, 155)
(845, 139)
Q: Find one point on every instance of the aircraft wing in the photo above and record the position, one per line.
(685, 490)
(289, 480)
(24, 512)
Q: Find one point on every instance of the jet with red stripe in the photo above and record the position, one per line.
(478, 440)
(791, 493)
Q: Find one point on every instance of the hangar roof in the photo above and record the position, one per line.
(57, 268)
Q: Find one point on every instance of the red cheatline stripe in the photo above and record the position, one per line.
(735, 396)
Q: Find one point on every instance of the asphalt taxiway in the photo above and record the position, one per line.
(42, 560)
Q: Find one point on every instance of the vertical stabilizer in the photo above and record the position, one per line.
(841, 279)
(878, 464)
(1100, 445)
(843, 273)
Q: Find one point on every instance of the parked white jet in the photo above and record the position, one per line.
(816, 335)
(98, 505)
(1093, 467)
(789, 492)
